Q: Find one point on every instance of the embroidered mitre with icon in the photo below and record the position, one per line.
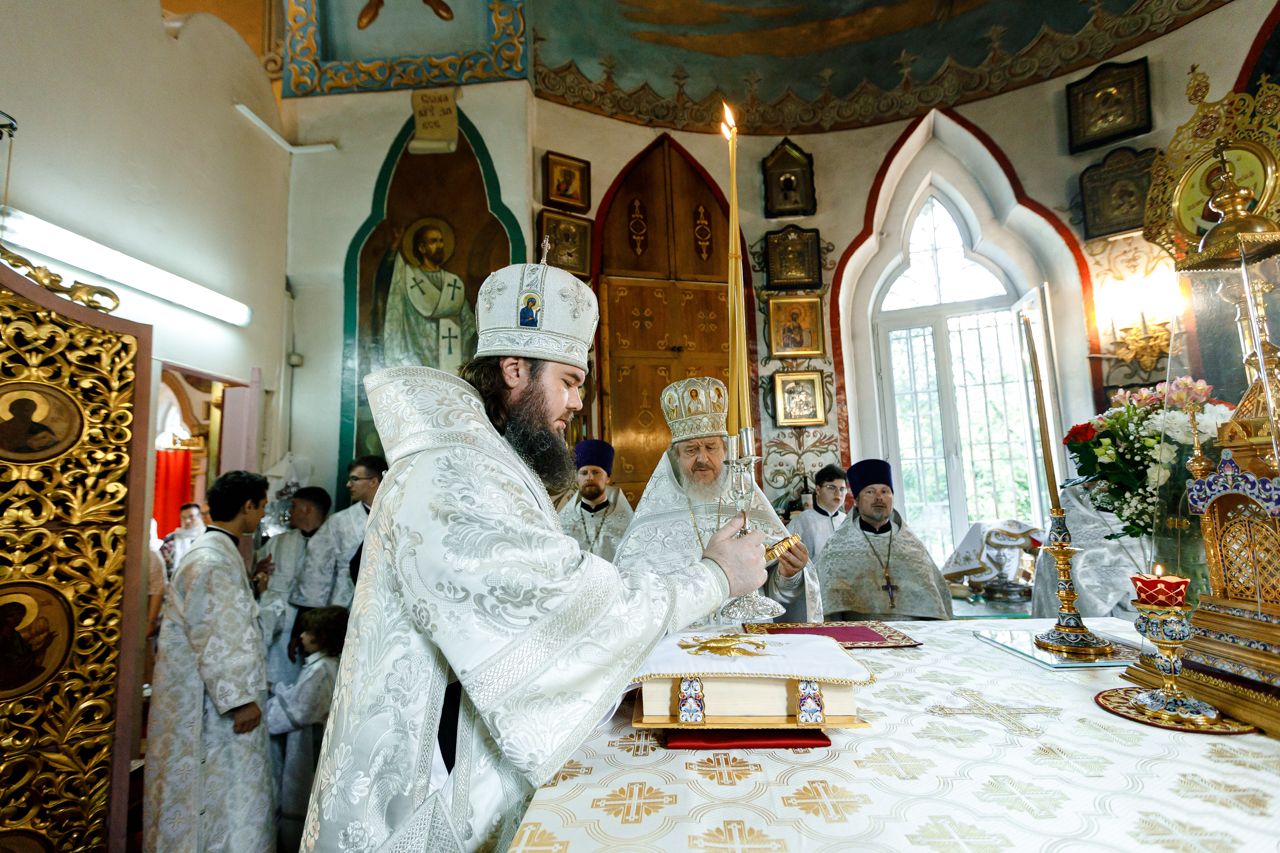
(536, 311)
(696, 407)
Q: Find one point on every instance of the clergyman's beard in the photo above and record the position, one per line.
(703, 493)
(538, 444)
(591, 491)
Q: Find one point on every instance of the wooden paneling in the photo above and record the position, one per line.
(699, 229)
(637, 231)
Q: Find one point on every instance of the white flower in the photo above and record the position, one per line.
(1165, 453)
(1208, 421)
(1172, 423)
(1157, 476)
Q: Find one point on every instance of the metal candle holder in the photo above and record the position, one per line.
(1069, 636)
(1169, 629)
(741, 460)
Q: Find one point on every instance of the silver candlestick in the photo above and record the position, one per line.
(741, 459)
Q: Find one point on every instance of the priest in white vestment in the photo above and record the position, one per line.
(282, 559)
(468, 577)
(208, 773)
(874, 567)
(686, 500)
(328, 575)
(175, 546)
(598, 513)
(815, 525)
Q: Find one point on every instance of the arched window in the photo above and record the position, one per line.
(953, 382)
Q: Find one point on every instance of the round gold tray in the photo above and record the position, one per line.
(1118, 702)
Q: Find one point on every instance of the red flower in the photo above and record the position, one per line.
(1080, 433)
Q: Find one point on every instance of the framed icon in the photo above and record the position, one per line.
(1114, 102)
(798, 398)
(566, 182)
(38, 422)
(788, 181)
(570, 238)
(795, 327)
(1113, 193)
(793, 258)
(39, 629)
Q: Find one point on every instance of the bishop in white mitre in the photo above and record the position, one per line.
(686, 500)
(468, 578)
(816, 524)
(598, 513)
(874, 567)
(208, 770)
(328, 575)
(283, 557)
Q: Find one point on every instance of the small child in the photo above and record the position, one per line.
(296, 714)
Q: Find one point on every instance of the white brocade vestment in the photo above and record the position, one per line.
(295, 719)
(852, 571)
(663, 532)
(208, 788)
(815, 527)
(466, 570)
(326, 574)
(288, 552)
(1100, 572)
(598, 532)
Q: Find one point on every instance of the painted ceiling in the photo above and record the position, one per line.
(787, 65)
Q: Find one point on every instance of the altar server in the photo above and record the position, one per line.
(873, 567)
(333, 555)
(814, 526)
(208, 775)
(598, 514)
(281, 559)
(686, 500)
(467, 573)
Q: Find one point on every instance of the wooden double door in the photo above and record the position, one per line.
(663, 300)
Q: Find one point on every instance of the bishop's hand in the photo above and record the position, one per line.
(793, 560)
(741, 558)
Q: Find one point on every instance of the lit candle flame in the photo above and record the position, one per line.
(1158, 570)
(724, 129)
(728, 116)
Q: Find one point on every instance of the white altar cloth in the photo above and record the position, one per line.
(969, 749)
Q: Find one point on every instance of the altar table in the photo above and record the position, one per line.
(970, 748)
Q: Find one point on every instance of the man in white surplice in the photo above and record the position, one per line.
(427, 320)
(685, 501)
(874, 567)
(281, 559)
(468, 575)
(815, 525)
(208, 772)
(598, 513)
(328, 575)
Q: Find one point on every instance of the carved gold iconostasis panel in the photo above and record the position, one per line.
(73, 385)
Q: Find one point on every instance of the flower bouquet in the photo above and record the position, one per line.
(1132, 457)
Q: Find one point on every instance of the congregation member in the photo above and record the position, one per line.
(281, 560)
(599, 513)
(815, 525)
(208, 774)
(874, 567)
(468, 572)
(174, 546)
(686, 500)
(296, 713)
(333, 554)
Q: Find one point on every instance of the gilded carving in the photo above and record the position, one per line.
(702, 231)
(66, 400)
(638, 227)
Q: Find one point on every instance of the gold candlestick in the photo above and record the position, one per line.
(1069, 635)
(739, 367)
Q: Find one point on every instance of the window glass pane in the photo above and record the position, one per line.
(994, 423)
(937, 270)
(923, 501)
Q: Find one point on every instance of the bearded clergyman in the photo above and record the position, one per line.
(686, 500)
(467, 577)
(873, 566)
(598, 513)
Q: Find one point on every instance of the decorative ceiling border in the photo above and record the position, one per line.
(1050, 54)
(305, 73)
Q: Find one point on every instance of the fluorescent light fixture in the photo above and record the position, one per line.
(23, 231)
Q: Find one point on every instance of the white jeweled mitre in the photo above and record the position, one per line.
(696, 407)
(536, 311)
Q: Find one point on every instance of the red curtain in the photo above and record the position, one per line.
(173, 488)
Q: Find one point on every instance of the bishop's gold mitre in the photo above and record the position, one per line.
(696, 407)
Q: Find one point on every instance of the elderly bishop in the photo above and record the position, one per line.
(686, 501)
(467, 577)
(874, 567)
(598, 514)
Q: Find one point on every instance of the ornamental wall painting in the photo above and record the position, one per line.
(415, 268)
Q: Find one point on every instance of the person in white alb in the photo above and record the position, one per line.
(814, 526)
(597, 515)
(333, 554)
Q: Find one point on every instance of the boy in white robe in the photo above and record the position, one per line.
(328, 575)
(815, 525)
(296, 714)
(598, 513)
(208, 775)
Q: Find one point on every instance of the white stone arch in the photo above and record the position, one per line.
(944, 156)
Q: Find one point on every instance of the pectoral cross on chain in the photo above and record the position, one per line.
(449, 337)
(890, 587)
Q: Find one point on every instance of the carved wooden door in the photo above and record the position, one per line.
(74, 388)
(663, 301)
